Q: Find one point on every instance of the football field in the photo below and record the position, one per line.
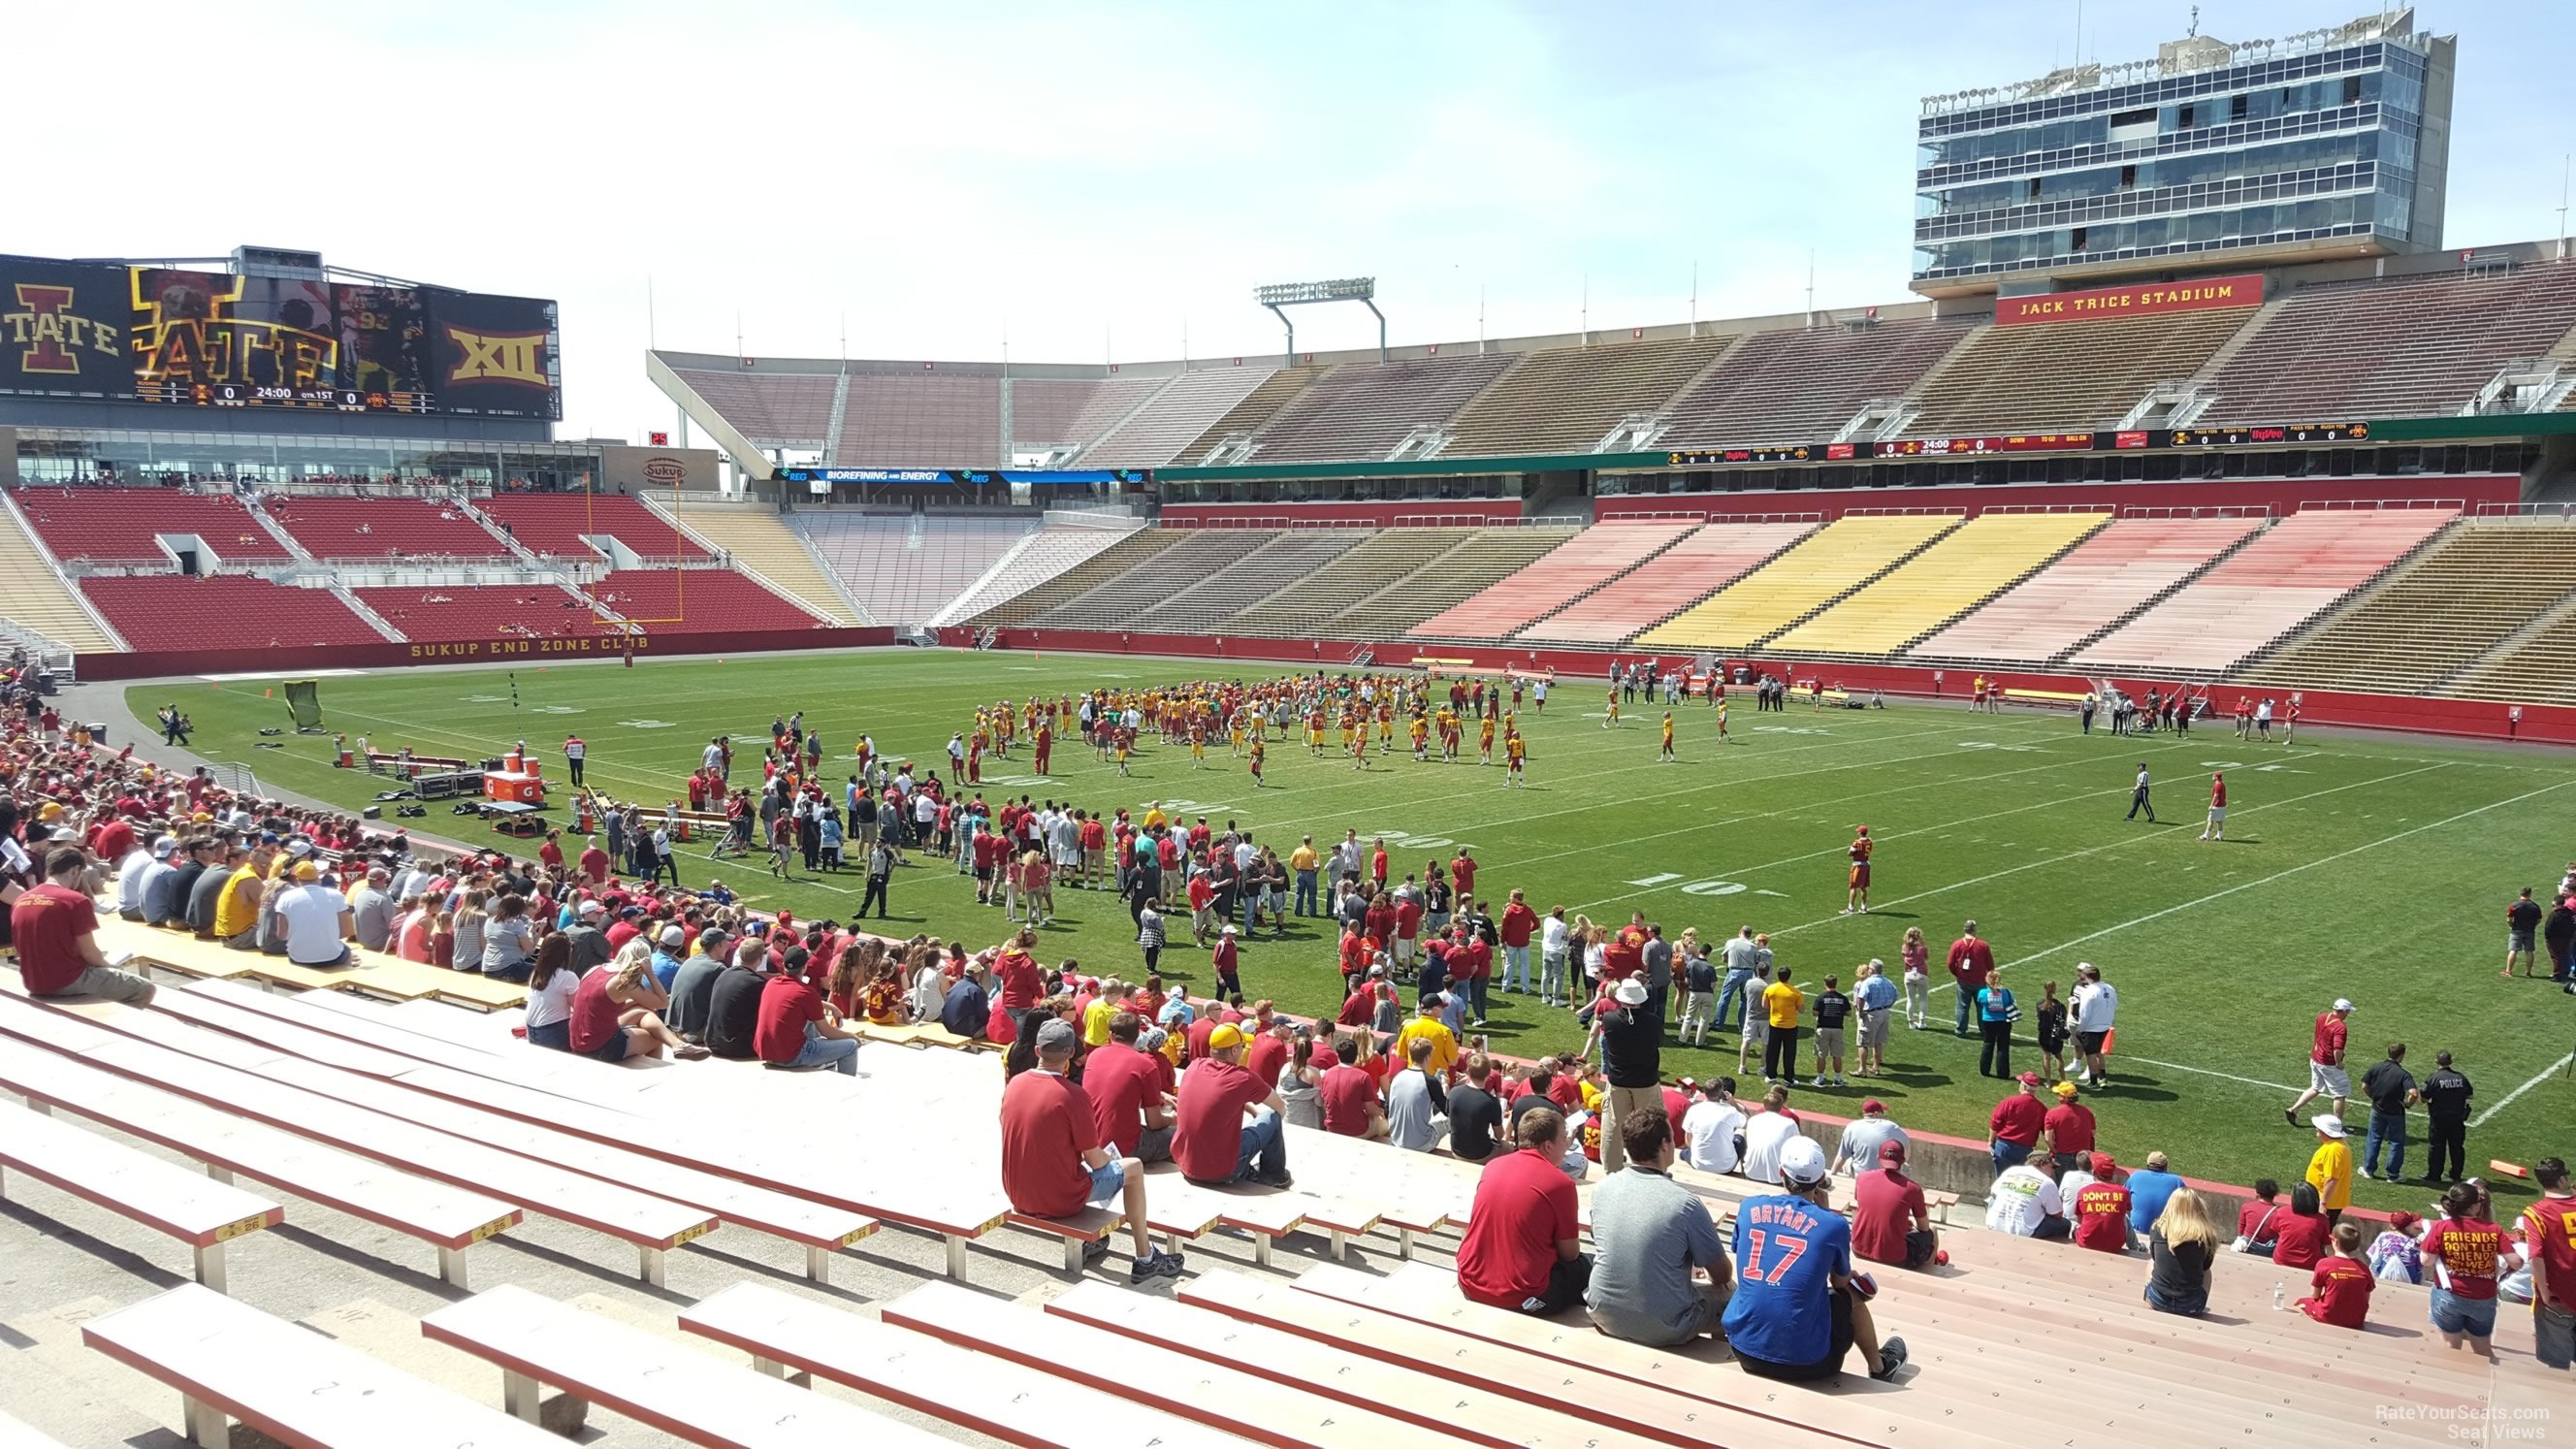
(2376, 868)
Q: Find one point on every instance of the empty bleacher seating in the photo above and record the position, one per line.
(697, 601)
(1056, 412)
(1712, 557)
(1035, 599)
(2536, 665)
(1567, 399)
(376, 529)
(34, 596)
(757, 541)
(1193, 402)
(1487, 556)
(123, 525)
(1380, 559)
(1258, 575)
(449, 612)
(771, 408)
(2087, 591)
(903, 568)
(2049, 375)
(1802, 384)
(1582, 563)
(943, 416)
(1046, 554)
(555, 525)
(1828, 563)
(1972, 562)
(230, 612)
(1195, 554)
(1251, 414)
(1362, 410)
(2467, 593)
(2405, 347)
(2264, 590)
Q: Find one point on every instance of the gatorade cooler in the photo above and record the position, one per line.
(348, 761)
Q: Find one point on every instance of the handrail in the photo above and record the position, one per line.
(2375, 505)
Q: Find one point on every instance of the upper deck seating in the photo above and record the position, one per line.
(939, 417)
(1061, 412)
(1363, 409)
(124, 525)
(2106, 576)
(2401, 348)
(2265, 589)
(1972, 562)
(1567, 399)
(2050, 375)
(1801, 384)
(556, 524)
(381, 529)
(1178, 414)
(793, 409)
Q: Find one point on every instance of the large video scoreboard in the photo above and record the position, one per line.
(214, 339)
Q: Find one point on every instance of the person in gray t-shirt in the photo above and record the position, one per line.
(1652, 1238)
(1416, 1107)
(1864, 1135)
(374, 909)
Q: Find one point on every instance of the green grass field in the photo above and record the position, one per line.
(2375, 868)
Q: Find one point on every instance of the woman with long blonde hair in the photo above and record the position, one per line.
(2180, 1248)
(1918, 979)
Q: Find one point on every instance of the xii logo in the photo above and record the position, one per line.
(52, 333)
(499, 357)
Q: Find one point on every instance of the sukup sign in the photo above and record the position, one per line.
(2103, 303)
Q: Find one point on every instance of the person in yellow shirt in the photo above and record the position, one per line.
(1610, 720)
(1515, 750)
(1305, 862)
(1666, 756)
(1781, 1003)
(2330, 1170)
(1429, 1027)
(1259, 753)
(1154, 817)
(237, 905)
(1095, 1017)
(1485, 741)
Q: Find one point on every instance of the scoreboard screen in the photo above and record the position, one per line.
(272, 395)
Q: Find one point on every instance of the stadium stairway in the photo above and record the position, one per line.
(757, 543)
(1972, 563)
(2473, 588)
(35, 597)
(1711, 557)
(1249, 415)
(1574, 569)
(2126, 566)
(1802, 581)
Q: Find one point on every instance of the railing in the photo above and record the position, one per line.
(2527, 510)
(2053, 508)
(1710, 515)
(2372, 505)
(1905, 513)
(2214, 510)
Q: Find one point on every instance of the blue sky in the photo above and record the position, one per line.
(1093, 180)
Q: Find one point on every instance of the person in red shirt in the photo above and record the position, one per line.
(1017, 969)
(551, 853)
(2463, 1253)
(2217, 827)
(1471, 962)
(1348, 1096)
(1226, 961)
(1517, 925)
(2014, 1127)
(1891, 1222)
(2101, 1208)
(1377, 865)
(798, 1030)
(1522, 1250)
(1358, 1006)
(611, 1020)
(1623, 952)
(1053, 1163)
(1230, 1124)
(1267, 1052)
(2069, 1125)
(2550, 1227)
(55, 926)
(594, 863)
(1970, 959)
(2326, 1074)
(1126, 1088)
(2342, 1283)
(1462, 873)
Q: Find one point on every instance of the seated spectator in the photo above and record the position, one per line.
(1475, 1114)
(1659, 1273)
(315, 921)
(1522, 1249)
(2339, 1293)
(1229, 1125)
(1891, 1222)
(733, 1003)
(2182, 1243)
(55, 927)
(797, 1030)
(968, 1006)
(1349, 1097)
(2025, 1202)
(1713, 1127)
(1863, 1136)
(2101, 1207)
(1130, 1090)
(1052, 1160)
(1767, 1134)
(2394, 1255)
(1416, 1106)
(612, 1020)
(693, 987)
(2300, 1235)
(1798, 1309)
(2464, 1253)
(548, 1017)
(2148, 1188)
(2257, 1223)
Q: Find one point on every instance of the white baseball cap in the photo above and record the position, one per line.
(1802, 1161)
(2342, 1005)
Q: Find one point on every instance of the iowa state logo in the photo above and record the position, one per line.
(498, 357)
(53, 334)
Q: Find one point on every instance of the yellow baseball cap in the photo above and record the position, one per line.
(1225, 1038)
(307, 870)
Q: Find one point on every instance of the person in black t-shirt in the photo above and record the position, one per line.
(1475, 1116)
(1833, 1009)
(733, 1011)
(2391, 1090)
(2558, 933)
(2521, 919)
(2446, 1096)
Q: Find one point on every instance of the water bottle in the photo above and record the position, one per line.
(2276, 1295)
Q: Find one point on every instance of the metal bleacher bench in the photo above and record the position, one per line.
(374, 973)
(694, 1398)
(199, 1212)
(299, 1388)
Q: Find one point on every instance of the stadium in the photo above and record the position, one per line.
(2166, 584)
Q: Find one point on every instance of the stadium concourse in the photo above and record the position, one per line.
(703, 1149)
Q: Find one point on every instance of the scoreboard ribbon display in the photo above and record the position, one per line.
(2264, 435)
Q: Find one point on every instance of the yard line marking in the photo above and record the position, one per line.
(2545, 1074)
(2293, 870)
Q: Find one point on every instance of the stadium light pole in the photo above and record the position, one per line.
(1282, 295)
